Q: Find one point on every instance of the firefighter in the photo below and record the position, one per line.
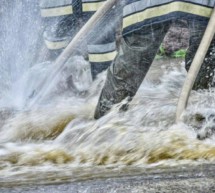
(145, 23)
(65, 18)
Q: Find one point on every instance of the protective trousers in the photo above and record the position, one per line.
(61, 19)
(136, 55)
(65, 18)
(101, 43)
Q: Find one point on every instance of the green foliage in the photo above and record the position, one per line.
(161, 53)
(177, 54)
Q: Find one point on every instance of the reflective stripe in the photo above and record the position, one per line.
(56, 45)
(91, 6)
(167, 9)
(58, 11)
(54, 3)
(106, 57)
(104, 48)
(141, 5)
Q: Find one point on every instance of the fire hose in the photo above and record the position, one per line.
(195, 66)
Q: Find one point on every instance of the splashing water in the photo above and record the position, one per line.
(60, 141)
(20, 40)
(21, 43)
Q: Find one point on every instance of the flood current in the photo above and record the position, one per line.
(59, 141)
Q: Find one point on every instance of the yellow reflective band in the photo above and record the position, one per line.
(91, 6)
(58, 11)
(56, 45)
(102, 57)
(166, 9)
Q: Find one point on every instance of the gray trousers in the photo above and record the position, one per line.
(138, 50)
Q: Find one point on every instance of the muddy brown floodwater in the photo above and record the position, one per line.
(60, 147)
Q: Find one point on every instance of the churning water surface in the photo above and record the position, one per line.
(60, 141)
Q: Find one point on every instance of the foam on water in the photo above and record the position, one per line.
(62, 141)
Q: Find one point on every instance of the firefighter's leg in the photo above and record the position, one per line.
(136, 55)
(102, 43)
(101, 54)
(205, 78)
(61, 23)
(57, 34)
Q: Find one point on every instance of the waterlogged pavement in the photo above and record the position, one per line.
(199, 179)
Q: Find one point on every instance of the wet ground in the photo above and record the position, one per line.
(198, 179)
